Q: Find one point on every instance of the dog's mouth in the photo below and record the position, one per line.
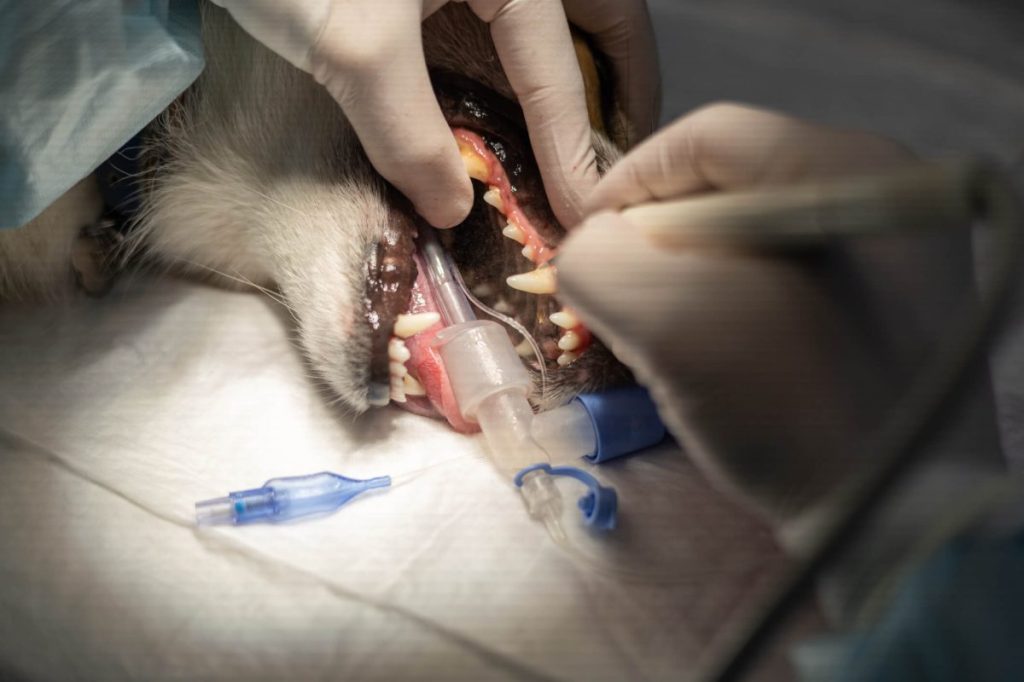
(503, 251)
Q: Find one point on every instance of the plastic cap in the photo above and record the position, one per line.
(599, 505)
(625, 420)
(215, 512)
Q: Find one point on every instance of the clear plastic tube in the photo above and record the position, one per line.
(490, 385)
(283, 499)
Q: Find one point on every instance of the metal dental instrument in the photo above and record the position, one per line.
(926, 197)
(918, 197)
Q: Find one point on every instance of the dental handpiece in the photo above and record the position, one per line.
(921, 196)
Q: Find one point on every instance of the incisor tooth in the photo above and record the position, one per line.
(397, 369)
(397, 350)
(567, 359)
(412, 386)
(410, 324)
(539, 281)
(515, 233)
(397, 391)
(569, 341)
(564, 319)
(493, 197)
(528, 252)
(524, 349)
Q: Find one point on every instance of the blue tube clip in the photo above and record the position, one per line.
(599, 505)
(283, 499)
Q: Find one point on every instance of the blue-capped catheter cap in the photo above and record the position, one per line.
(625, 421)
(599, 504)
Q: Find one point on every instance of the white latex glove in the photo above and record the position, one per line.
(622, 32)
(369, 56)
(769, 369)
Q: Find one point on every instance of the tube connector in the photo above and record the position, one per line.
(490, 386)
(599, 505)
(283, 499)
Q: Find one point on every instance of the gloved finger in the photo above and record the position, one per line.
(383, 87)
(753, 368)
(535, 47)
(731, 146)
(623, 33)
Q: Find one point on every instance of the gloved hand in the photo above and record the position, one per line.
(369, 56)
(770, 369)
(622, 31)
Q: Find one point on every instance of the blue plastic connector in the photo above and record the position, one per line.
(283, 499)
(625, 420)
(599, 505)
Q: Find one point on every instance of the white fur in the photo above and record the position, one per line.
(262, 183)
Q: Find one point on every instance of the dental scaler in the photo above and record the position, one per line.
(491, 386)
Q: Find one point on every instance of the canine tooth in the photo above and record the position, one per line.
(524, 349)
(398, 369)
(515, 233)
(539, 281)
(566, 359)
(412, 386)
(407, 324)
(529, 252)
(397, 350)
(570, 341)
(476, 167)
(564, 319)
(493, 197)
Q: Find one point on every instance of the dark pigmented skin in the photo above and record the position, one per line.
(390, 271)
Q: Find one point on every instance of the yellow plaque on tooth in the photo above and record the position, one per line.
(476, 167)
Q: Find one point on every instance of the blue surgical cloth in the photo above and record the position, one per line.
(78, 78)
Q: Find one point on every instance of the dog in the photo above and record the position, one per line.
(253, 178)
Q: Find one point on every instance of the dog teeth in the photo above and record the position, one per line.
(570, 341)
(476, 167)
(398, 354)
(493, 197)
(515, 233)
(524, 349)
(504, 307)
(539, 281)
(411, 386)
(529, 252)
(483, 290)
(397, 390)
(407, 324)
(566, 359)
(397, 350)
(564, 319)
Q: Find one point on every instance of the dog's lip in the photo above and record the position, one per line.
(425, 363)
(494, 126)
